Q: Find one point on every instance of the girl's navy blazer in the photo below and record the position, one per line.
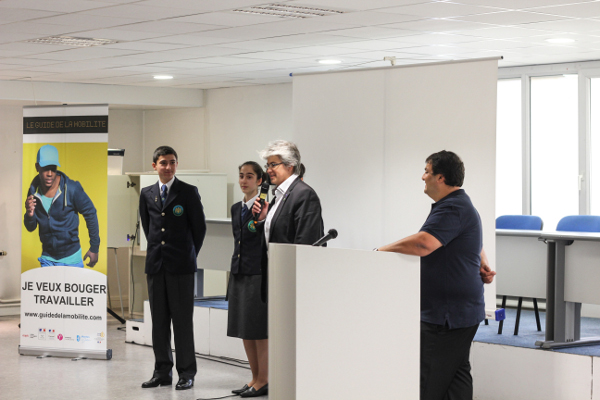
(247, 253)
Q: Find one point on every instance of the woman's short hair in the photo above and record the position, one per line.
(287, 151)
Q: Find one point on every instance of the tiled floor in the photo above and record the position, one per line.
(26, 377)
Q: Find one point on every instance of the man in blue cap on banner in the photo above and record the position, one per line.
(54, 203)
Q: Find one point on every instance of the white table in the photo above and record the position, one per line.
(572, 278)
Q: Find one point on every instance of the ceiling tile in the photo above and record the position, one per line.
(438, 9)
(27, 61)
(358, 4)
(438, 38)
(580, 40)
(235, 60)
(379, 55)
(240, 32)
(63, 6)
(569, 25)
(9, 37)
(366, 18)
(372, 32)
(33, 48)
(437, 25)
(86, 53)
(143, 46)
(146, 69)
(323, 51)
(520, 4)
(191, 40)
(581, 10)
(13, 74)
(32, 27)
(310, 39)
(372, 45)
(266, 56)
(117, 34)
(306, 25)
(140, 11)
(439, 50)
(510, 18)
(229, 19)
(506, 32)
(497, 45)
(170, 27)
(205, 6)
(15, 14)
(257, 45)
(86, 21)
(556, 50)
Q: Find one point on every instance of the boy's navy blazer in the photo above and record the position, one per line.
(297, 220)
(247, 250)
(175, 230)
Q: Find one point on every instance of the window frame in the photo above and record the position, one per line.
(585, 71)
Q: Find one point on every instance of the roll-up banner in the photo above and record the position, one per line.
(63, 253)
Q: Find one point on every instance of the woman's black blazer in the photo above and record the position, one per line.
(297, 220)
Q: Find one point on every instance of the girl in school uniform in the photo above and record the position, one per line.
(247, 317)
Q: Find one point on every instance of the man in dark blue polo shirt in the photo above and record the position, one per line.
(453, 270)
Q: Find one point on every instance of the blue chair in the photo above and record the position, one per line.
(521, 222)
(579, 223)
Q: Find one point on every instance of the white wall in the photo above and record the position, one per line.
(240, 122)
(11, 139)
(89, 93)
(180, 128)
(126, 131)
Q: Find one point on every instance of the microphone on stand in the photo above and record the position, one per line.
(332, 234)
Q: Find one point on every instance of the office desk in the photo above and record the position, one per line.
(572, 278)
(521, 264)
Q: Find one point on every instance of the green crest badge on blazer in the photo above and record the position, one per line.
(252, 226)
(178, 211)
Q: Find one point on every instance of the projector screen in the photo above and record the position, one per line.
(364, 136)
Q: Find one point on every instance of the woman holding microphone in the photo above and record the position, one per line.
(247, 316)
(294, 214)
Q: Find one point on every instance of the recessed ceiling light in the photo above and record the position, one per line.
(560, 40)
(163, 77)
(73, 41)
(329, 61)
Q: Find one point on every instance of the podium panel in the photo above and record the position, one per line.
(343, 323)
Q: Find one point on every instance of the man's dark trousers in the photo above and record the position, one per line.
(445, 367)
(172, 298)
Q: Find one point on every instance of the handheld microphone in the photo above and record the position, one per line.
(264, 191)
(332, 234)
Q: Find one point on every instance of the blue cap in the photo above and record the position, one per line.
(47, 155)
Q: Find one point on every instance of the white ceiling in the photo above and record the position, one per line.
(204, 45)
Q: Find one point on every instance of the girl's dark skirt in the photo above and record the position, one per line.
(247, 316)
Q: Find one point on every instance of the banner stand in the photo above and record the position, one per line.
(50, 352)
(63, 234)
